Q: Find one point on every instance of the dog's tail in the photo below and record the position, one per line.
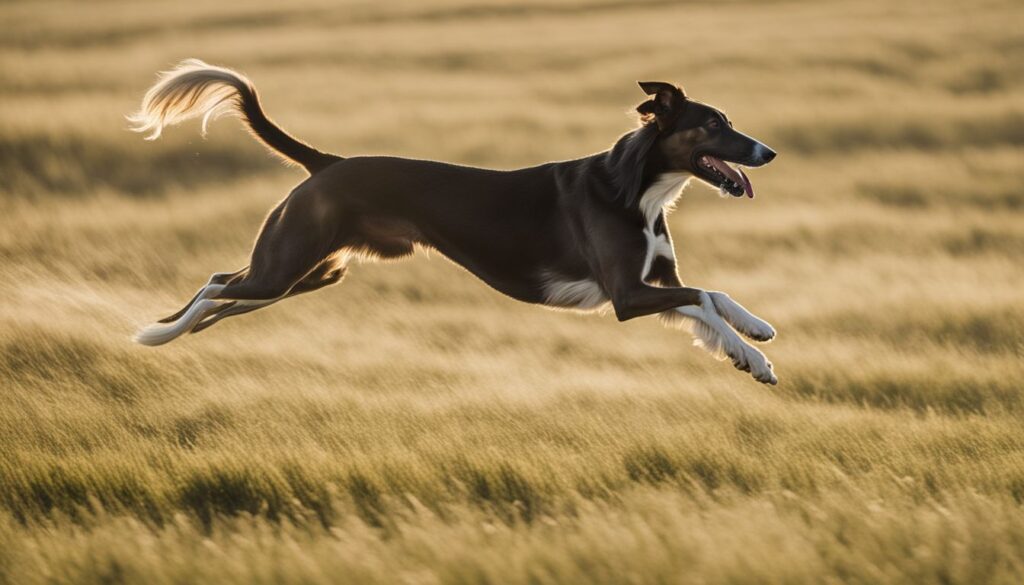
(194, 88)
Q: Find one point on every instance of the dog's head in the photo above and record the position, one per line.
(699, 139)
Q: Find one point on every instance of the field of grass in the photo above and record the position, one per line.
(412, 426)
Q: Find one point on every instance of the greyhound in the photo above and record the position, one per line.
(582, 234)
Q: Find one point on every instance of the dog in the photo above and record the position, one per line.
(584, 234)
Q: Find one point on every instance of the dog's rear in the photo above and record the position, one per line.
(196, 89)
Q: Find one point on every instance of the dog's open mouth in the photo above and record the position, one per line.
(728, 179)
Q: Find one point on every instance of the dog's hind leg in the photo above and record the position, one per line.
(230, 309)
(212, 304)
(320, 278)
(295, 238)
(223, 277)
(300, 244)
(205, 292)
(159, 334)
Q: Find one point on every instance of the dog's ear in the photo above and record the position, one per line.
(666, 103)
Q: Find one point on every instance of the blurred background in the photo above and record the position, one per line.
(411, 424)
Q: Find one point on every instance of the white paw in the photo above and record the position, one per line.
(743, 355)
(749, 359)
(741, 319)
(759, 330)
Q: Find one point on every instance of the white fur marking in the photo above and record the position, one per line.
(649, 254)
(663, 248)
(159, 334)
(743, 320)
(664, 191)
(582, 295)
(714, 335)
(657, 245)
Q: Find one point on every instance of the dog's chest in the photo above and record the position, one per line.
(587, 294)
(661, 194)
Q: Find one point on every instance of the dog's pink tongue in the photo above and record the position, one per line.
(746, 183)
(735, 175)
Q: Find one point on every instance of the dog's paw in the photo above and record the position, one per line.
(741, 319)
(767, 376)
(761, 331)
(750, 360)
(754, 328)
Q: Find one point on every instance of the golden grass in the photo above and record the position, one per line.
(412, 426)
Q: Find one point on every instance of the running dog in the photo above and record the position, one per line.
(580, 234)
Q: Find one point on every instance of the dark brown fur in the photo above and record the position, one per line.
(578, 219)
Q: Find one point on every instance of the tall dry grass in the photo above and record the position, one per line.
(413, 426)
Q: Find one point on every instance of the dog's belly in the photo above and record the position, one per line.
(387, 237)
(513, 265)
(502, 270)
(508, 256)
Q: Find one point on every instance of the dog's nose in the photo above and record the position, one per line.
(762, 155)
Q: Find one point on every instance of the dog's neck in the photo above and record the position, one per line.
(662, 192)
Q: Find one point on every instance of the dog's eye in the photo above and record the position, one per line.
(713, 124)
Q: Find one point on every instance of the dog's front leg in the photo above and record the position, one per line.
(740, 318)
(622, 264)
(712, 333)
(696, 310)
(664, 273)
(641, 299)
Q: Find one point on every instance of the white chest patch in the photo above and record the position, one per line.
(661, 194)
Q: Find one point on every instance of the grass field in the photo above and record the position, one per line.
(412, 426)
